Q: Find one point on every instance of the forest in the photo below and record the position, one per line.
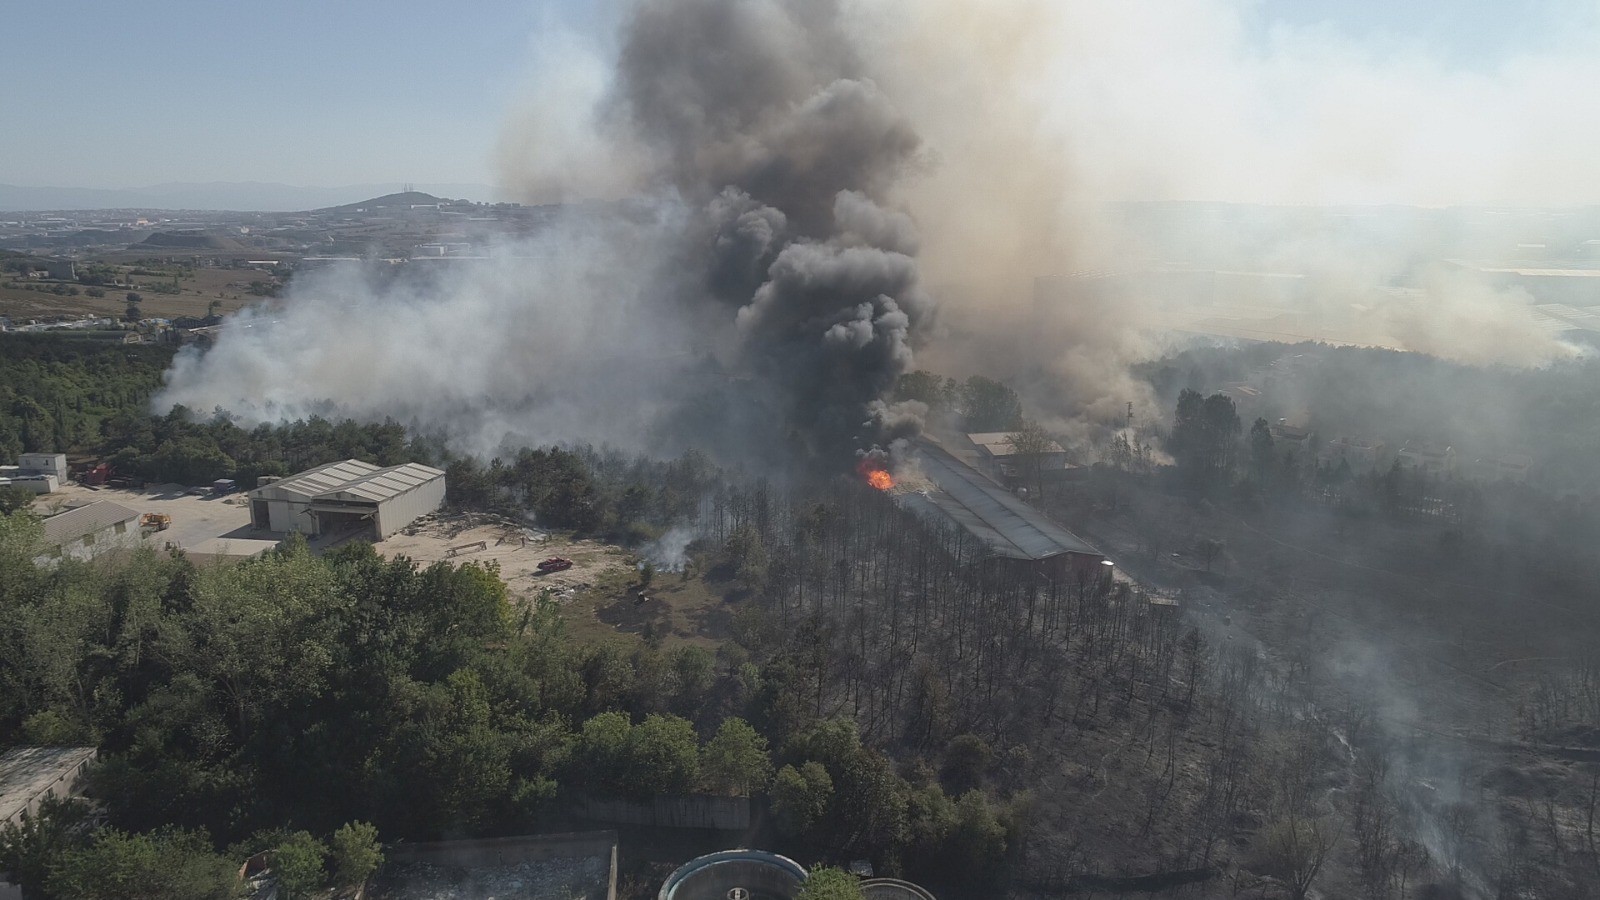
(888, 690)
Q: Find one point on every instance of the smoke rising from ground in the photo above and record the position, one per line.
(806, 179)
(763, 249)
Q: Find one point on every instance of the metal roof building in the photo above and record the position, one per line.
(347, 495)
(966, 498)
(30, 774)
(90, 529)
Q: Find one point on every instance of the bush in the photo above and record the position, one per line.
(355, 854)
(297, 862)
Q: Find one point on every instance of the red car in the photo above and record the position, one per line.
(555, 564)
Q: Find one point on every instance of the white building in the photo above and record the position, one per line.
(90, 530)
(38, 484)
(347, 495)
(44, 464)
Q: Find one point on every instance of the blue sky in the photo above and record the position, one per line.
(126, 94)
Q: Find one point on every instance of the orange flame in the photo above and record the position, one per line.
(873, 470)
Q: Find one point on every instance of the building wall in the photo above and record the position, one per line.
(44, 464)
(99, 542)
(285, 516)
(398, 512)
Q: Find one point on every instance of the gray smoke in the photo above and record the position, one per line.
(759, 300)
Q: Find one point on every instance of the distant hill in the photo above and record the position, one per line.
(402, 200)
(239, 196)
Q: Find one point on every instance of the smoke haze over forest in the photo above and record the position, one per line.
(799, 204)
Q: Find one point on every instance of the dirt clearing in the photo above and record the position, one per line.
(517, 548)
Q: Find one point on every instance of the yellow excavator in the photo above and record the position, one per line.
(155, 522)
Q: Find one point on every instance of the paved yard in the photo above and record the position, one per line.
(195, 520)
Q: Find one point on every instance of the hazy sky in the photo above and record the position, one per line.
(120, 94)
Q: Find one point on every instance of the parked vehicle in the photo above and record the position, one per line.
(555, 564)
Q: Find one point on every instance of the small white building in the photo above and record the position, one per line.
(44, 464)
(90, 530)
(347, 495)
(38, 484)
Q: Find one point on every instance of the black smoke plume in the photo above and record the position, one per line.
(762, 257)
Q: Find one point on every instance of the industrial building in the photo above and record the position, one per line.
(90, 530)
(963, 497)
(30, 774)
(41, 473)
(995, 449)
(346, 496)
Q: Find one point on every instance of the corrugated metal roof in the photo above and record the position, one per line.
(27, 772)
(352, 479)
(1010, 527)
(64, 528)
(313, 483)
(386, 483)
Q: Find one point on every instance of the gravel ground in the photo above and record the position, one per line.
(573, 878)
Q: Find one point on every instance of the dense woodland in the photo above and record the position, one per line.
(889, 691)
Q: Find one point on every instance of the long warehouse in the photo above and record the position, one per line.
(1012, 530)
(347, 495)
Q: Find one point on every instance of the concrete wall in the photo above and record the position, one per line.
(398, 512)
(509, 851)
(699, 811)
(102, 541)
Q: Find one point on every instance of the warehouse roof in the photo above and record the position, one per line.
(966, 498)
(314, 482)
(64, 528)
(386, 483)
(351, 479)
(27, 772)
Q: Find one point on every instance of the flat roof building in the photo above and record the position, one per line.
(348, 495)
(30, 774)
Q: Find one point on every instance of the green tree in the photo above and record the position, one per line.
(30, 846)
(989, 405)
(298, 864)
(1205, 432)
(13, 499)
(800, 796)
(937, 393)
(1261, 456)
(355, 854)
(164, 865)
(1032, 444)
(600, 754)
(828, 883)
(966, 760)
(663, 757)
(735, 760)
